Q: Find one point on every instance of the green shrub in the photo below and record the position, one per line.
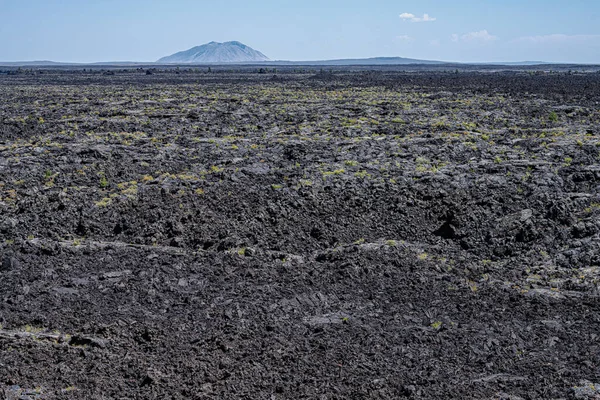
(103, 182)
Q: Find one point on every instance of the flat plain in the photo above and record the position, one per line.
(181, 234)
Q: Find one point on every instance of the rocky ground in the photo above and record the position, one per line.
(186, 235)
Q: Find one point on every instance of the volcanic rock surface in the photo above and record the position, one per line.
(335, 235)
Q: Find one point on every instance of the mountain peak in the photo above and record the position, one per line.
(215, 52)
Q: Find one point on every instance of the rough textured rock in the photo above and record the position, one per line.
(361, 235)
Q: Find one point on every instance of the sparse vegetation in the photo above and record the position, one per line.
(231, 224)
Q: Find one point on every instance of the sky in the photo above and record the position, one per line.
(458, 30)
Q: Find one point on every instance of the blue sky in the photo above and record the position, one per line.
(458, 30)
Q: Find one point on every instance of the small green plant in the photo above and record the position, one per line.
(421, 168)
(391, 243)
(336, 172)
(32, 329)
(527, 175)
(436, 325)
(362, 174)
(103, 182)
(553, 117)
(472, 285)
(471, 126)
(568, 161)
(105, 202)
(440, 125)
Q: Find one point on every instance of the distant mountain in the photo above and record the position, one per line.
(214, 52)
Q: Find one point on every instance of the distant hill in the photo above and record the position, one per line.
(214, 52)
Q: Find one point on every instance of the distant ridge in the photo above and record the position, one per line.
(235, 52)
(214, 52)
(362, 61)
(29, 63)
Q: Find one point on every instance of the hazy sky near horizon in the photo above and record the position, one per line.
(458, 30)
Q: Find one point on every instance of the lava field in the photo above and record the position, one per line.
(180, 234)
